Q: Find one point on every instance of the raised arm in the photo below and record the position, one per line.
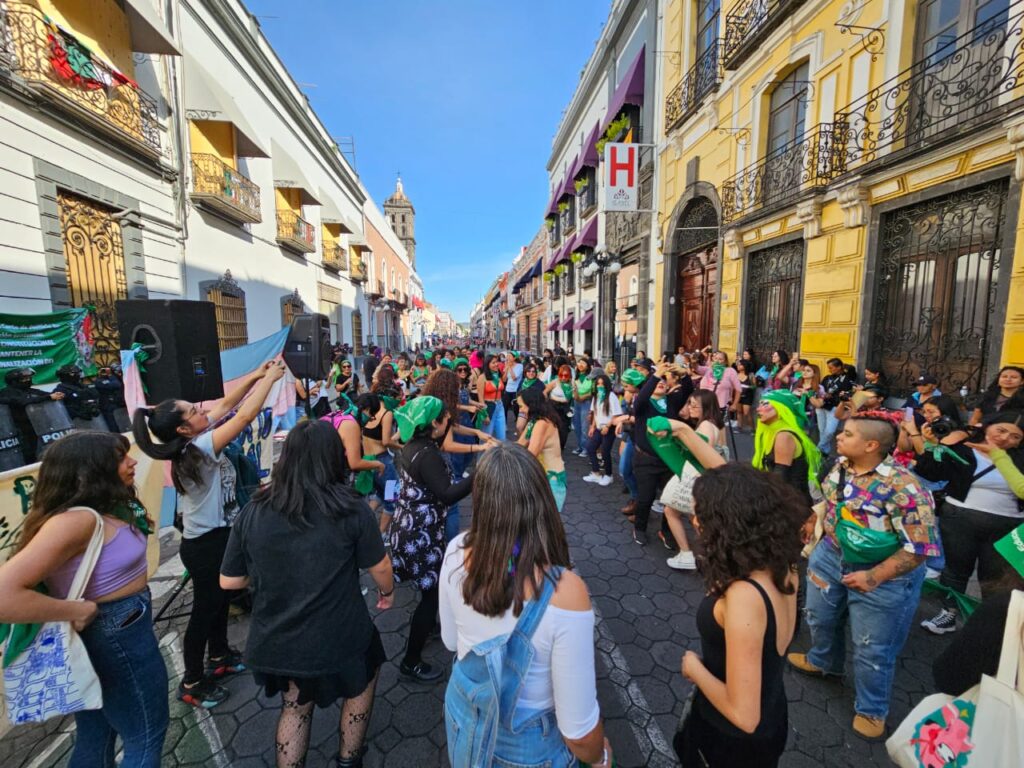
(248, 410)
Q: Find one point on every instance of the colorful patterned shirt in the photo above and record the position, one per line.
(888, 498)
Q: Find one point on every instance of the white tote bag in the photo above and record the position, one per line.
(54, 676)
(983, 727)
(678, 492)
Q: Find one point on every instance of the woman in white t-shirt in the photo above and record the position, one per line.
(500, 570)
(601, 435)
(191, 438)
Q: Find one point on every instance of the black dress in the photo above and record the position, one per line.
(708, 738)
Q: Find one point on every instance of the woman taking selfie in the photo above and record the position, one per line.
(749, 523)
(204, 478)
(114, 618)
(308, 515)
(509, 571)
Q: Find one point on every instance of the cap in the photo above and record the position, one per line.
(644, 362)
(925, 378)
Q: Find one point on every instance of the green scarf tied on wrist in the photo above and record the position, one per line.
(671, 451)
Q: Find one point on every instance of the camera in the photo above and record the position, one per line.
(844, 397)
(942, 427)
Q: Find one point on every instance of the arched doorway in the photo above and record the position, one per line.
(695, 245)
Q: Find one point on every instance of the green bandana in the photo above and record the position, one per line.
(567, 391)
(791, 418)
(671, 451)
(660, 405)
(633, 377)
(462, 361)
(417, 413)
(527, 383)
(1011, 547)
(717, 371)
(391, 403)
(602, 394)
(529, 429)
(584, 386)
(19, 636)
(939, 451)
(364, 478)
(349, 407)
(446, 363)
(428, 355)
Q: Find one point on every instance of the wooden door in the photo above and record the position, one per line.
(696, 294)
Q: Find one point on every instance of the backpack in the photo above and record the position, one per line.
(483, 690)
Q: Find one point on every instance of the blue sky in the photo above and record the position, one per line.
(462, 96)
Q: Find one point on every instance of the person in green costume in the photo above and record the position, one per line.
(781, 443)
(541, 437)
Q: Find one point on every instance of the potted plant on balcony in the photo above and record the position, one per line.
(549, 223)
(616, 130)
(581, 184)
(577, 257)
(560, 269)
(548, 277)
(563, 206)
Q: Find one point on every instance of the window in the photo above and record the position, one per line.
(774, 294)
(229, 302)
(707, 25)
(291, 305)
(357, 332)
(570, 278)
(787, 109)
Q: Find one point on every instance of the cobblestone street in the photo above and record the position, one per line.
(645, 621)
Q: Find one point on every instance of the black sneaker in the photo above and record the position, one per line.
(205, 694)
(640, 537)
(231, 664)
(942, 623)
(421, 673)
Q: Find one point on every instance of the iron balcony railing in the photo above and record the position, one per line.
(295, 233)
(553, 234)
(335, 257)
(357, 269)
(969, 83)
(586, 198)
(568, 217)
(55, 64)
(218, 186)
(626, 305)
(700, 82)
(808, 162)
(748, 24)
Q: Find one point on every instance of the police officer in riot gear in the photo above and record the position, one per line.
(81, 400)
(110, 387)
(18, 394)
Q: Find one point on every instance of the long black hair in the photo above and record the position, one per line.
(308, 477)
(604, 381)
(947, 407)
(992, 394)
(539, 406)
(368, 403)
(81, 470)
(162, 421)
(749, 521)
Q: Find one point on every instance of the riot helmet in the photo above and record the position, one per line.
(19, 378)
(70, 374)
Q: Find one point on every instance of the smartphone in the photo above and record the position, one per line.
(908, 413)
(390, 490)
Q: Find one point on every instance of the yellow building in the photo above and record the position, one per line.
(843, 179)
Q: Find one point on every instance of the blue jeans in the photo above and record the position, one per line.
(451, 523)
(123, 649)
(380, 480)
(496, 426)
(626, 467)
(829, 432)
(581, 422)
(879, 623)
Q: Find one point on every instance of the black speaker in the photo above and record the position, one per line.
(184, 350)
(307, 353)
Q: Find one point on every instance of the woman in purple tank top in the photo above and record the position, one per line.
(115, 620)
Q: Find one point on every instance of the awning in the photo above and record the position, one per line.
(205, 99)
(570, 246)
(149, 33)
(552, 209)
(556, 257)
(588, 235)
(629, 91)
(586, 323)
(590, 157)
(568, 183)
(537, 269)
(554, 325)
(566, 324)
(331, 214)
(287, 174)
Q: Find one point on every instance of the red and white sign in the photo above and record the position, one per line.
(622, 177)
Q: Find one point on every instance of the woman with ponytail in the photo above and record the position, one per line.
(192, 439)
(781, 444)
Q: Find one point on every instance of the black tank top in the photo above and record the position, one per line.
(795, 474)
(773, 692)
(376, 431)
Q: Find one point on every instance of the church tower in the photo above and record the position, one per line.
(402, 217)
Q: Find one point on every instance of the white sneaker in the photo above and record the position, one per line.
(605, 480)
(682, 561)
(658, 507)
(592, 478)
(931, 573)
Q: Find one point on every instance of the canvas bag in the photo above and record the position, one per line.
(984, 726)
(54, 676)
(678, 492)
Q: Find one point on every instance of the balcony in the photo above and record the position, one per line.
(807, 163)
(970, 83)
(553, 235)
(700, 82)
(357, 269)
(586, 198)
(375, 290)
(219, 187)
(567, 217)
(295, 233)
(335, 257)
(556, 291)
(625, 306)
(59, 69)
(749, 23)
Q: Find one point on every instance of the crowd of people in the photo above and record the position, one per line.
(873, 489)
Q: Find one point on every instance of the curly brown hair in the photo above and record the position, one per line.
(749, 521)
(444, 385)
